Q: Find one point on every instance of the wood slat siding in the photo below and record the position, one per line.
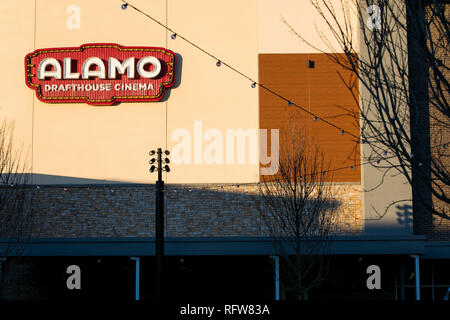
(289, 75)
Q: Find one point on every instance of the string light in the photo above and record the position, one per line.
(219, 63)
(352, 167)
(253, 85)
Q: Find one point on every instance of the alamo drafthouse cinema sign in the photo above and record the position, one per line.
(100, 73)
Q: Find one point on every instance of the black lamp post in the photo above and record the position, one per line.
(159, 215)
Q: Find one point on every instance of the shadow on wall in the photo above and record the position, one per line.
(177, 82)
(399, 222)
(405, 215)
(48, 179)
(77, 207)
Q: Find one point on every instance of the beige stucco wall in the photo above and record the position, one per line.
(78, 143)
(103, 144)
(275, 35)
(387, 196)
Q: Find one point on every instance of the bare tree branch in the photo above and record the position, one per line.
(299, 208)
(402, 68)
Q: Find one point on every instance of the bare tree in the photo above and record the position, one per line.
(398, 52)
(299, 210)
(15, 210)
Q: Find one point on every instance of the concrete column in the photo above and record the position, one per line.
(137, 272)
(417, 272)
(277, 276)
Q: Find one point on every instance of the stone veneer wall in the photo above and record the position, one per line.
(191, 210)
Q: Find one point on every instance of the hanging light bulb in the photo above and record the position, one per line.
(173, 36)
(218, 63)
(254, 85)
(342, 132)
(289, 103)
(315, 119)
(124, 6)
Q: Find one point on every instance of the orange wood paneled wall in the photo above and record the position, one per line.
(321, 91)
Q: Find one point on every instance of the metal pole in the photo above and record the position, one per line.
(138, 273)
(159, 225)
(417, 272)
(396, 287)
(277, 276)
(417, 278)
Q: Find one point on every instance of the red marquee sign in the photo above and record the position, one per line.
(100, 73)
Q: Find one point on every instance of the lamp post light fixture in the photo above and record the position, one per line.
(157, 165)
